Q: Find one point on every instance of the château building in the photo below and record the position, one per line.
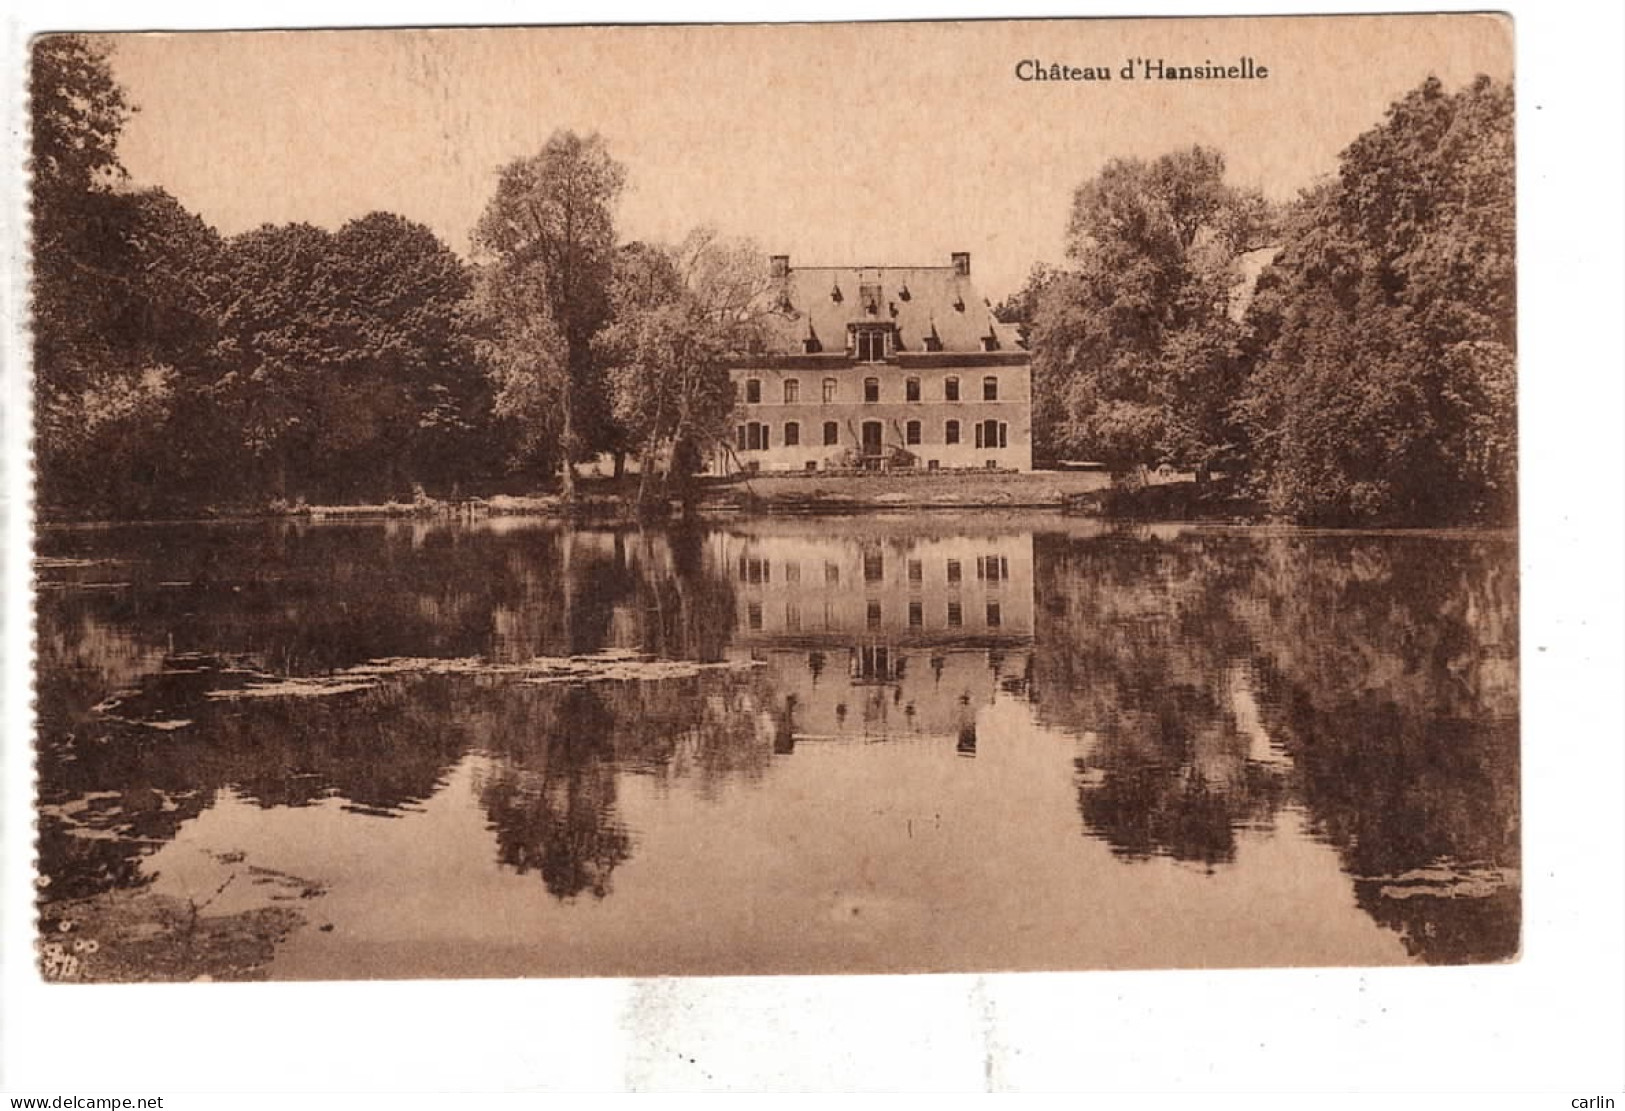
(882, 366)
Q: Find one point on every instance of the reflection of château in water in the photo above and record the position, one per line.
(882, 637)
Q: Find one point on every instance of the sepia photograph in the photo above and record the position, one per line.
(827, 499)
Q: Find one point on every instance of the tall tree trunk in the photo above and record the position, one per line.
(567, 488)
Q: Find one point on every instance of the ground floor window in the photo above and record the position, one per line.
(911, 433)
(992, 433)
(753, 437)
(792, 433)
(832, 433)
(950, 432)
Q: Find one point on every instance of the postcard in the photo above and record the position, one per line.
(644, 501)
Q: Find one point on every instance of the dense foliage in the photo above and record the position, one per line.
(1384, 385)
(1135, 345)
(1366, 375)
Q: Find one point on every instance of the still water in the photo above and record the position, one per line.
(512, 748)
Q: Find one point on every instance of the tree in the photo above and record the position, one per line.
(550, 233)
(123, 289)
(681, 316)
(1384, 335)
(344, 355)
(1135, 345)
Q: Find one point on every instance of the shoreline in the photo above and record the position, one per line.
(1069, 495)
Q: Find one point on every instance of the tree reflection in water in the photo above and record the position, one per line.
(551, 799)
(1370, 681)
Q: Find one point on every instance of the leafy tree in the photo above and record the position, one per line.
(550, 231)
(680, 317)
(122, 294)
(347, 369)
(1384, 331)
(1135, 345)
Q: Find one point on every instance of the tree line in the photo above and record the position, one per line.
(1347, 358)
(178, 370)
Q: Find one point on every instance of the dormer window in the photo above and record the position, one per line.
(869, 298)
(871, 345)
(990, 343)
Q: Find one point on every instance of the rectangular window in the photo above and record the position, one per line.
(916, 571)
(874, 568)
(832, 572)
(916, 615)
(792, 617)
(871, 390)
(829, 390)
(911, 433)
(792, 571)
(754, 614)
(953, 570)
(993, 616)
(990, 434)
(832, 433)
(956, 616)
(755, 437)
(812, 464)
(874, 615)
(792, 391)
(871, 345)
(979, 430)
(990, 388)
(950, 432)
(950, 390)
(753, 391)
(1004, 434)
(740, 432)
(792, 433)
(911, 390)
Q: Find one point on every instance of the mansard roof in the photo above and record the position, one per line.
(932, 309)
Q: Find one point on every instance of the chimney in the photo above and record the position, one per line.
(780, 265)
(962, 263)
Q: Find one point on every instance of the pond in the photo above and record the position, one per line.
(863, 744)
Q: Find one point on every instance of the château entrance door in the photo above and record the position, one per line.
(871, 441)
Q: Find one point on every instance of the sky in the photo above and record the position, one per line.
(835, 144)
